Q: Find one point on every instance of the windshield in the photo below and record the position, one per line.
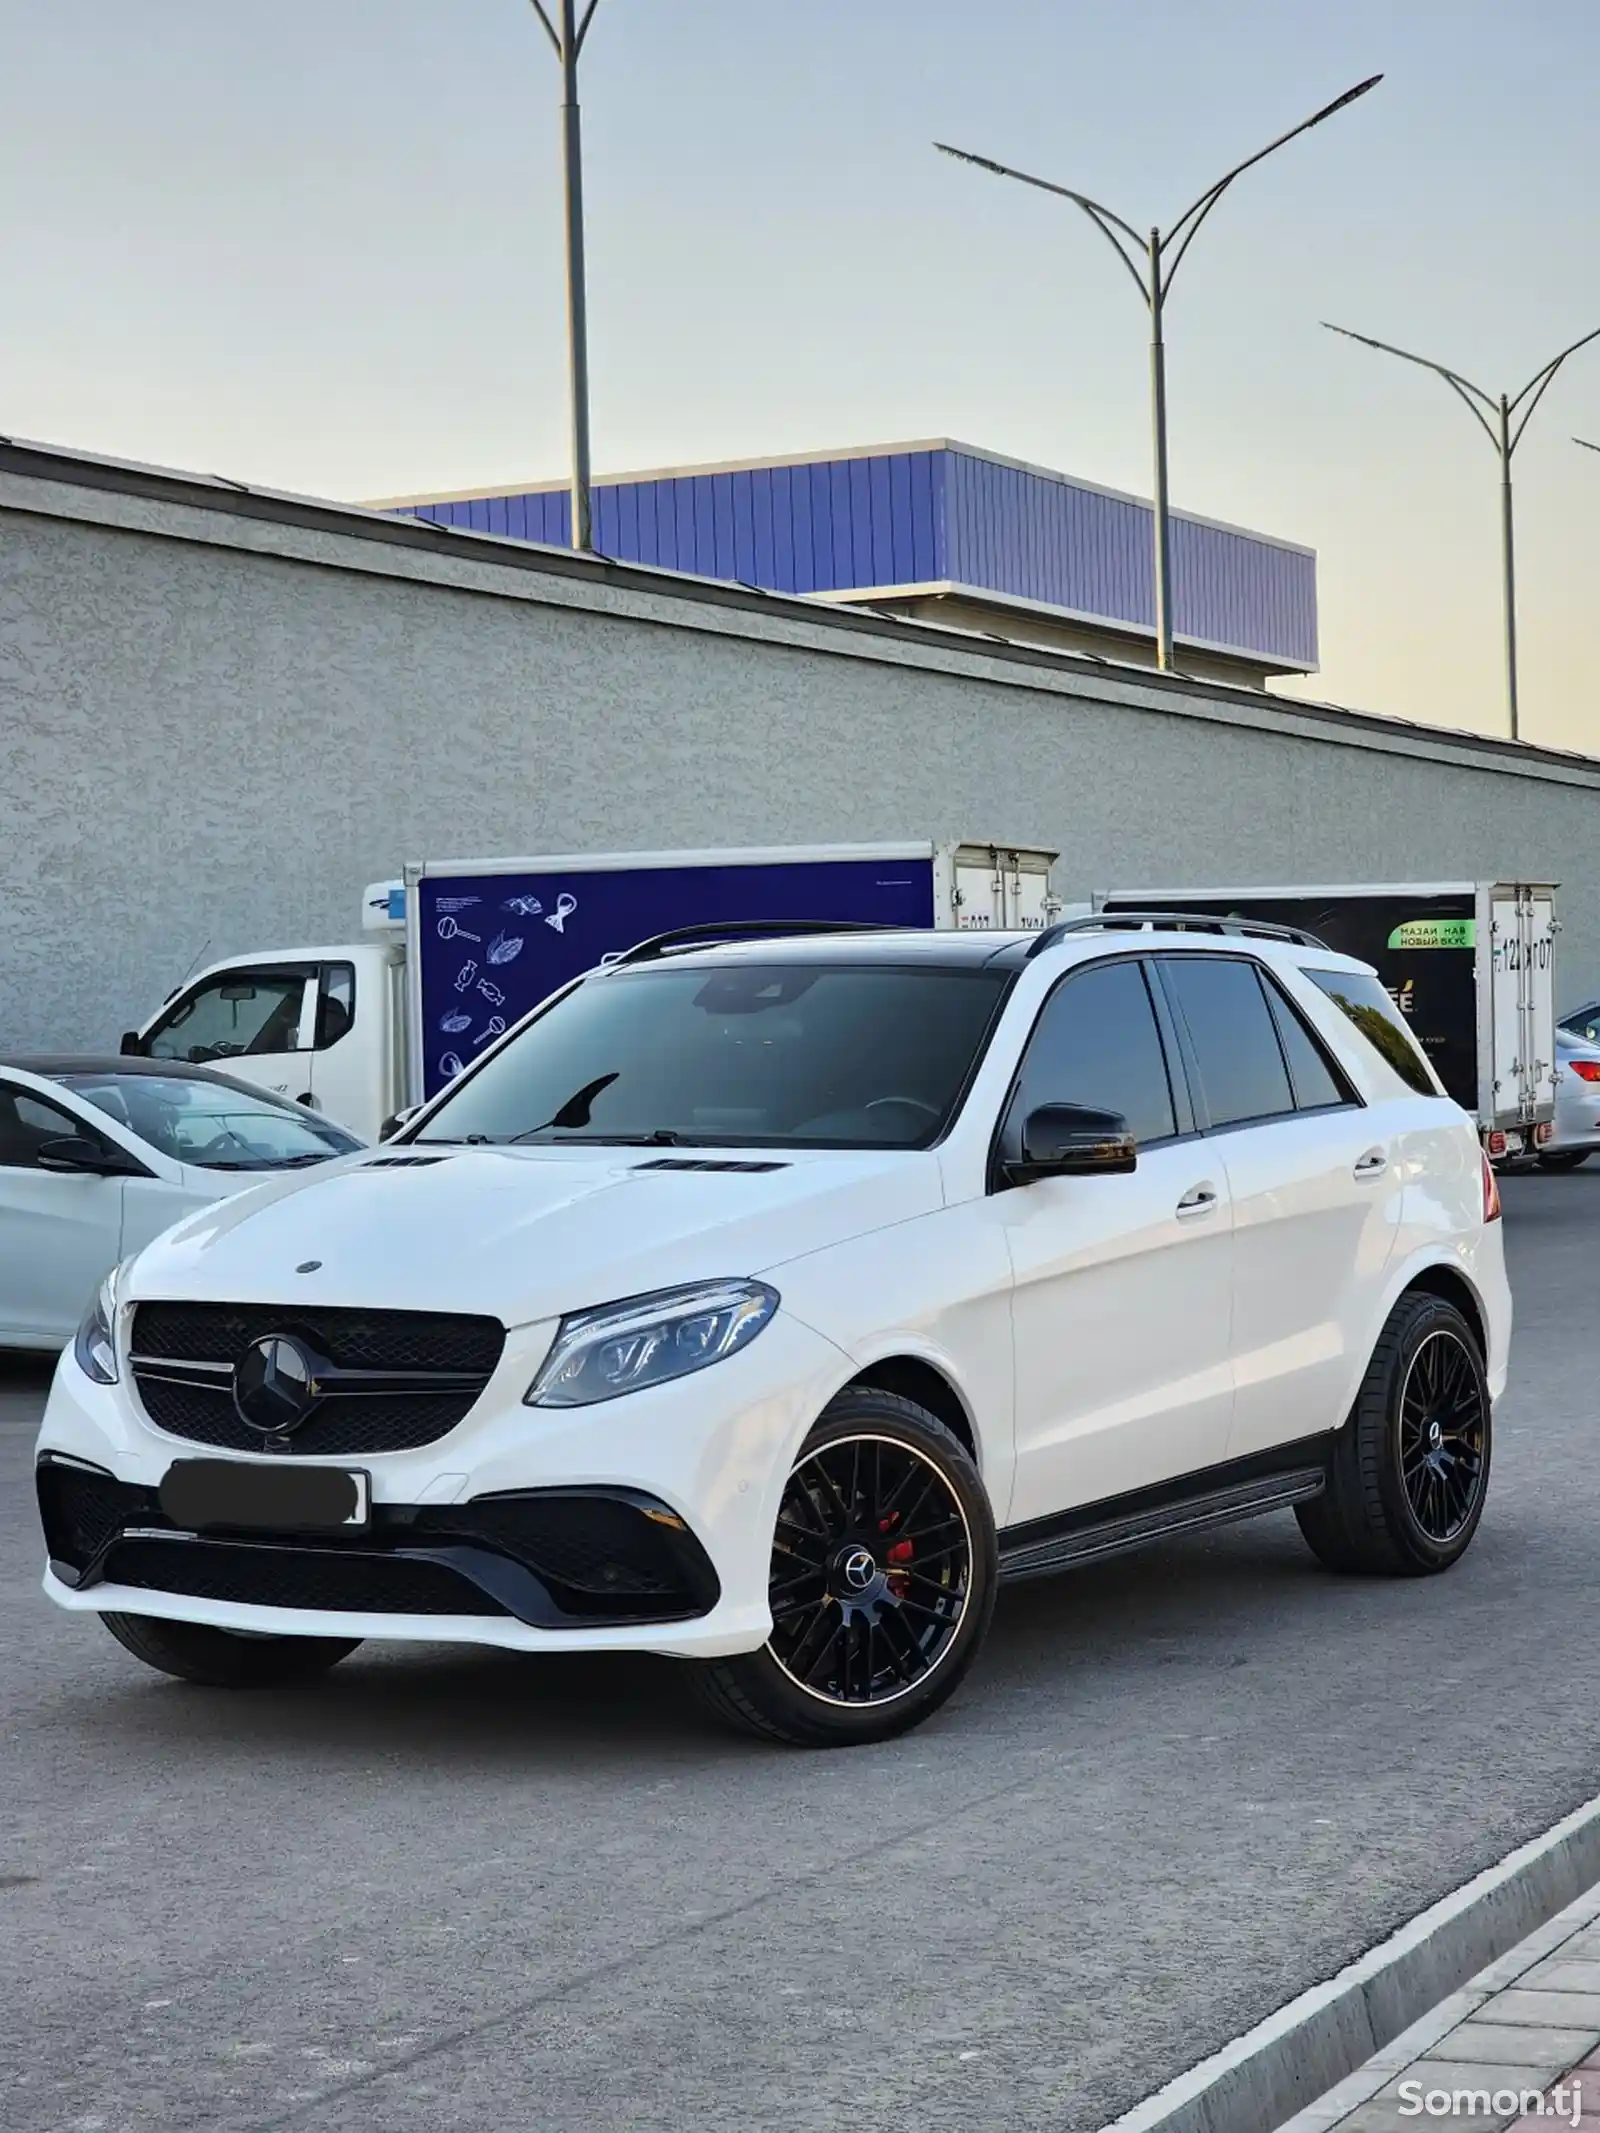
(804, 1054)
(202, 1122)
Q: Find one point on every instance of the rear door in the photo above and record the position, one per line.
(1123, 1283)
(258, 1022)
(1316, 1184)
(1521, 1019)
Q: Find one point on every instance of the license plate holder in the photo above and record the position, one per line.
(248, 1496)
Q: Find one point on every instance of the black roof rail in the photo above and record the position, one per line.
(1171, 922)
(738, 929)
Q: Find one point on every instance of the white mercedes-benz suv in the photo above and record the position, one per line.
(766, 1302)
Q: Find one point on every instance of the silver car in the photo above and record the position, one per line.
(1577, 1133)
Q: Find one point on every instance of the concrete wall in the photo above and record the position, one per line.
(219, 718)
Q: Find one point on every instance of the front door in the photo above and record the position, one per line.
(1123, 1285)
(256, 1023)
(60, 1233)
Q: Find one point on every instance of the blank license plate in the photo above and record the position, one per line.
(197, 1493)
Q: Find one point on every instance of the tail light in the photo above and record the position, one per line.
(1491, 1192)
(1585, 1069)
(1496, 1142)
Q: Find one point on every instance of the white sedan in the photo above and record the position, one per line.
(98, 1156)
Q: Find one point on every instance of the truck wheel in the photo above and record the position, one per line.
(1410, 1469)
(882, 1582)
(222, 1659)
(1565, 1158)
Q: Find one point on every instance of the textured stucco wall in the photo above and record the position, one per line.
(214, 732)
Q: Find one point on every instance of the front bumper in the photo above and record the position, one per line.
(643, 1524)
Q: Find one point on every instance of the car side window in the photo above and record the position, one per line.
(232, 1015)
(1242, 1070)
(27, 1122)
(1318, 1086)
(1097, 1042)
(336, 1004)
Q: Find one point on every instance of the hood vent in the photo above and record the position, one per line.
(691, 1162)
(405, 1162)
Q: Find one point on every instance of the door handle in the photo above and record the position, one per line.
(1198, 1200)
(1372, 1165)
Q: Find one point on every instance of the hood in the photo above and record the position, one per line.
(527, 1233)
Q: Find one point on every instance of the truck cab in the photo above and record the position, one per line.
(321, 1026)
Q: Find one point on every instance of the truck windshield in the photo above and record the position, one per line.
(1372, 1011)
(805, 1055)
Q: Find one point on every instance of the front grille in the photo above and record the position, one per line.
(355, 1340)
(352, 1424)
(319, 1578)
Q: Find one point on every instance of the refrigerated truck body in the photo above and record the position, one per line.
(457, 952)
(1470, 965)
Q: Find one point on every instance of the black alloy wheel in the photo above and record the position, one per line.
(871, 1571)
(1408, 1474)
(1443, 1436)
(882, 1581)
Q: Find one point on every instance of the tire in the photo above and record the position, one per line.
(222, 1659)
(1409, 1472)
(1565, 1159)
(865, 1652)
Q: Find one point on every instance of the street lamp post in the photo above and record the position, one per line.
(1146, 259)
(1500, 422)
(567, 30)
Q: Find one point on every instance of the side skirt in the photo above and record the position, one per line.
(1216, 1496)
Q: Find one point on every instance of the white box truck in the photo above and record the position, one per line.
(457, 952)
(1470, 965)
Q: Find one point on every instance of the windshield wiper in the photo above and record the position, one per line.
(660, 1137)
(574, 1112)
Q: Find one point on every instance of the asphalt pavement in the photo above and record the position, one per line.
(544, 1896)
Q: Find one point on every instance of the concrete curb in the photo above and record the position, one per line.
(1286, 2062)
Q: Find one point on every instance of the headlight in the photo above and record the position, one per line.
(95, 1347)
(647, 1340)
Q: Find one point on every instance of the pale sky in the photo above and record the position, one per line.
(316, 244)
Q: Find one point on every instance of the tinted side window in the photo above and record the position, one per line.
(1097, 1043)
(26, 1123)
(1316, 1085)
(1236, 1046)
(1369, 1007)
(336, 1004)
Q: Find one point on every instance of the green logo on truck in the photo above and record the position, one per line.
(1435, 933)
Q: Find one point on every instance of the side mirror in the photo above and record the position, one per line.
(130, 1047)
(77, 1154)
(1073, 1141)
(396, 1119)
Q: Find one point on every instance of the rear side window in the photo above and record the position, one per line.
(1096, 1043)
(1236, 1045)
(1360, 996)
(1317, 1085)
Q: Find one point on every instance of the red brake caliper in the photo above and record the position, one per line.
(901, 1552)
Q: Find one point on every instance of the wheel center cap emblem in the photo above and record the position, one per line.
(1435, 1436)
(859, 1568)
(275, 1384)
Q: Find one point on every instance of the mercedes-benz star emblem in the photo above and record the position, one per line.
(275, 1384)
(860, 1569)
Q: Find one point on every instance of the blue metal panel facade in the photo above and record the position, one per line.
(944, 515)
